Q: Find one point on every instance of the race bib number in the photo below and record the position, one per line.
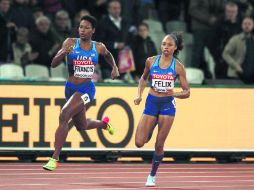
(85, 98)
(83, 68)
(163, 82)
(174, 103)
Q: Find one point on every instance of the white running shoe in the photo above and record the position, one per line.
(150, 181)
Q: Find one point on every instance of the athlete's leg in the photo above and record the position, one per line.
(82, 123)
(151, 131)
(165, 123)
(74, 105)
(145, 125)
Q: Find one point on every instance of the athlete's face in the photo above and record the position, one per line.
(85, 30)
(168, 46)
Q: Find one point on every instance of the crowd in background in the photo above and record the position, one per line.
(32, 31)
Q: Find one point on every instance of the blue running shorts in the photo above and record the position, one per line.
(83, 88)
(156, 106)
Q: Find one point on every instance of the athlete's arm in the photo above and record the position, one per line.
(109, 58)
(67, 48)
(185, 93)
(142, 82)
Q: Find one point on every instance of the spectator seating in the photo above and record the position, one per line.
(210, 62)
(10, 71)
(194, 75)
(58, 73)
(185, 55)
(156, 32)
(176, 25)
(37, 72)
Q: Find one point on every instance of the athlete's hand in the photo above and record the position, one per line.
(170, 93)
(115, 73)
(68, 46)
(137, 100)
(67, 49)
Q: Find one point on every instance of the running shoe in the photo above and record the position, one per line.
(109, 127)
(51, 165)
(150, 182)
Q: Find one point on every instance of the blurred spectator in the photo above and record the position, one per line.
(204, 15)
(71, 7)
(224, 29)
(76, 21)
(238, 53)
(131, 12)
(112, 30)
(98, 8)
(37, 12)
(50, 7)
(21, 48)
(142, 47)
(7, 32)
(42, 41)
(168, 10)
(62, 26)
(21, 14)
(245, 8)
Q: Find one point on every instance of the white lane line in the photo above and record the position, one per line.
(173, 166)
(133, 174)
(137, 177)
(24, 184)
(169, 187)
(161, 168)
(160, 182)
(198, 176)
(125, 172)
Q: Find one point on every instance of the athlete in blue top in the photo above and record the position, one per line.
(82, 56)
(160, 103)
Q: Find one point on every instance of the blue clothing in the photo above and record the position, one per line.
(83, 88)
(162, 80)
(156, 106)
(78, 55)
(81, 64)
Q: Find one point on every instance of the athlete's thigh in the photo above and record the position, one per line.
(165, 122)
(74, 105)
(144, 127)
(79, 120)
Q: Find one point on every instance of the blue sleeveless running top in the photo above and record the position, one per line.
(81, 62)
(162, 80)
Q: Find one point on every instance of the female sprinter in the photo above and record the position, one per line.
(160, 103)
(82, 56)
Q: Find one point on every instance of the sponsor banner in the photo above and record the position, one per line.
(212, 118)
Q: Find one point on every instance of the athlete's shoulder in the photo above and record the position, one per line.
(101, 48)
(178, 65)
(70, 41)
(98, 44)
(151, 59)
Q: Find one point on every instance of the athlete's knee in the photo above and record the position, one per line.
(64, 116)
(139, 143)
(159, 146)
(81, 128)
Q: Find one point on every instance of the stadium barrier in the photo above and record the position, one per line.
(212, 122)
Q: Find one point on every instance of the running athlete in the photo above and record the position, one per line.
(160, 103)
(82, 56)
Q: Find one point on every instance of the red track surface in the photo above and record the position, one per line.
(76, 176)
